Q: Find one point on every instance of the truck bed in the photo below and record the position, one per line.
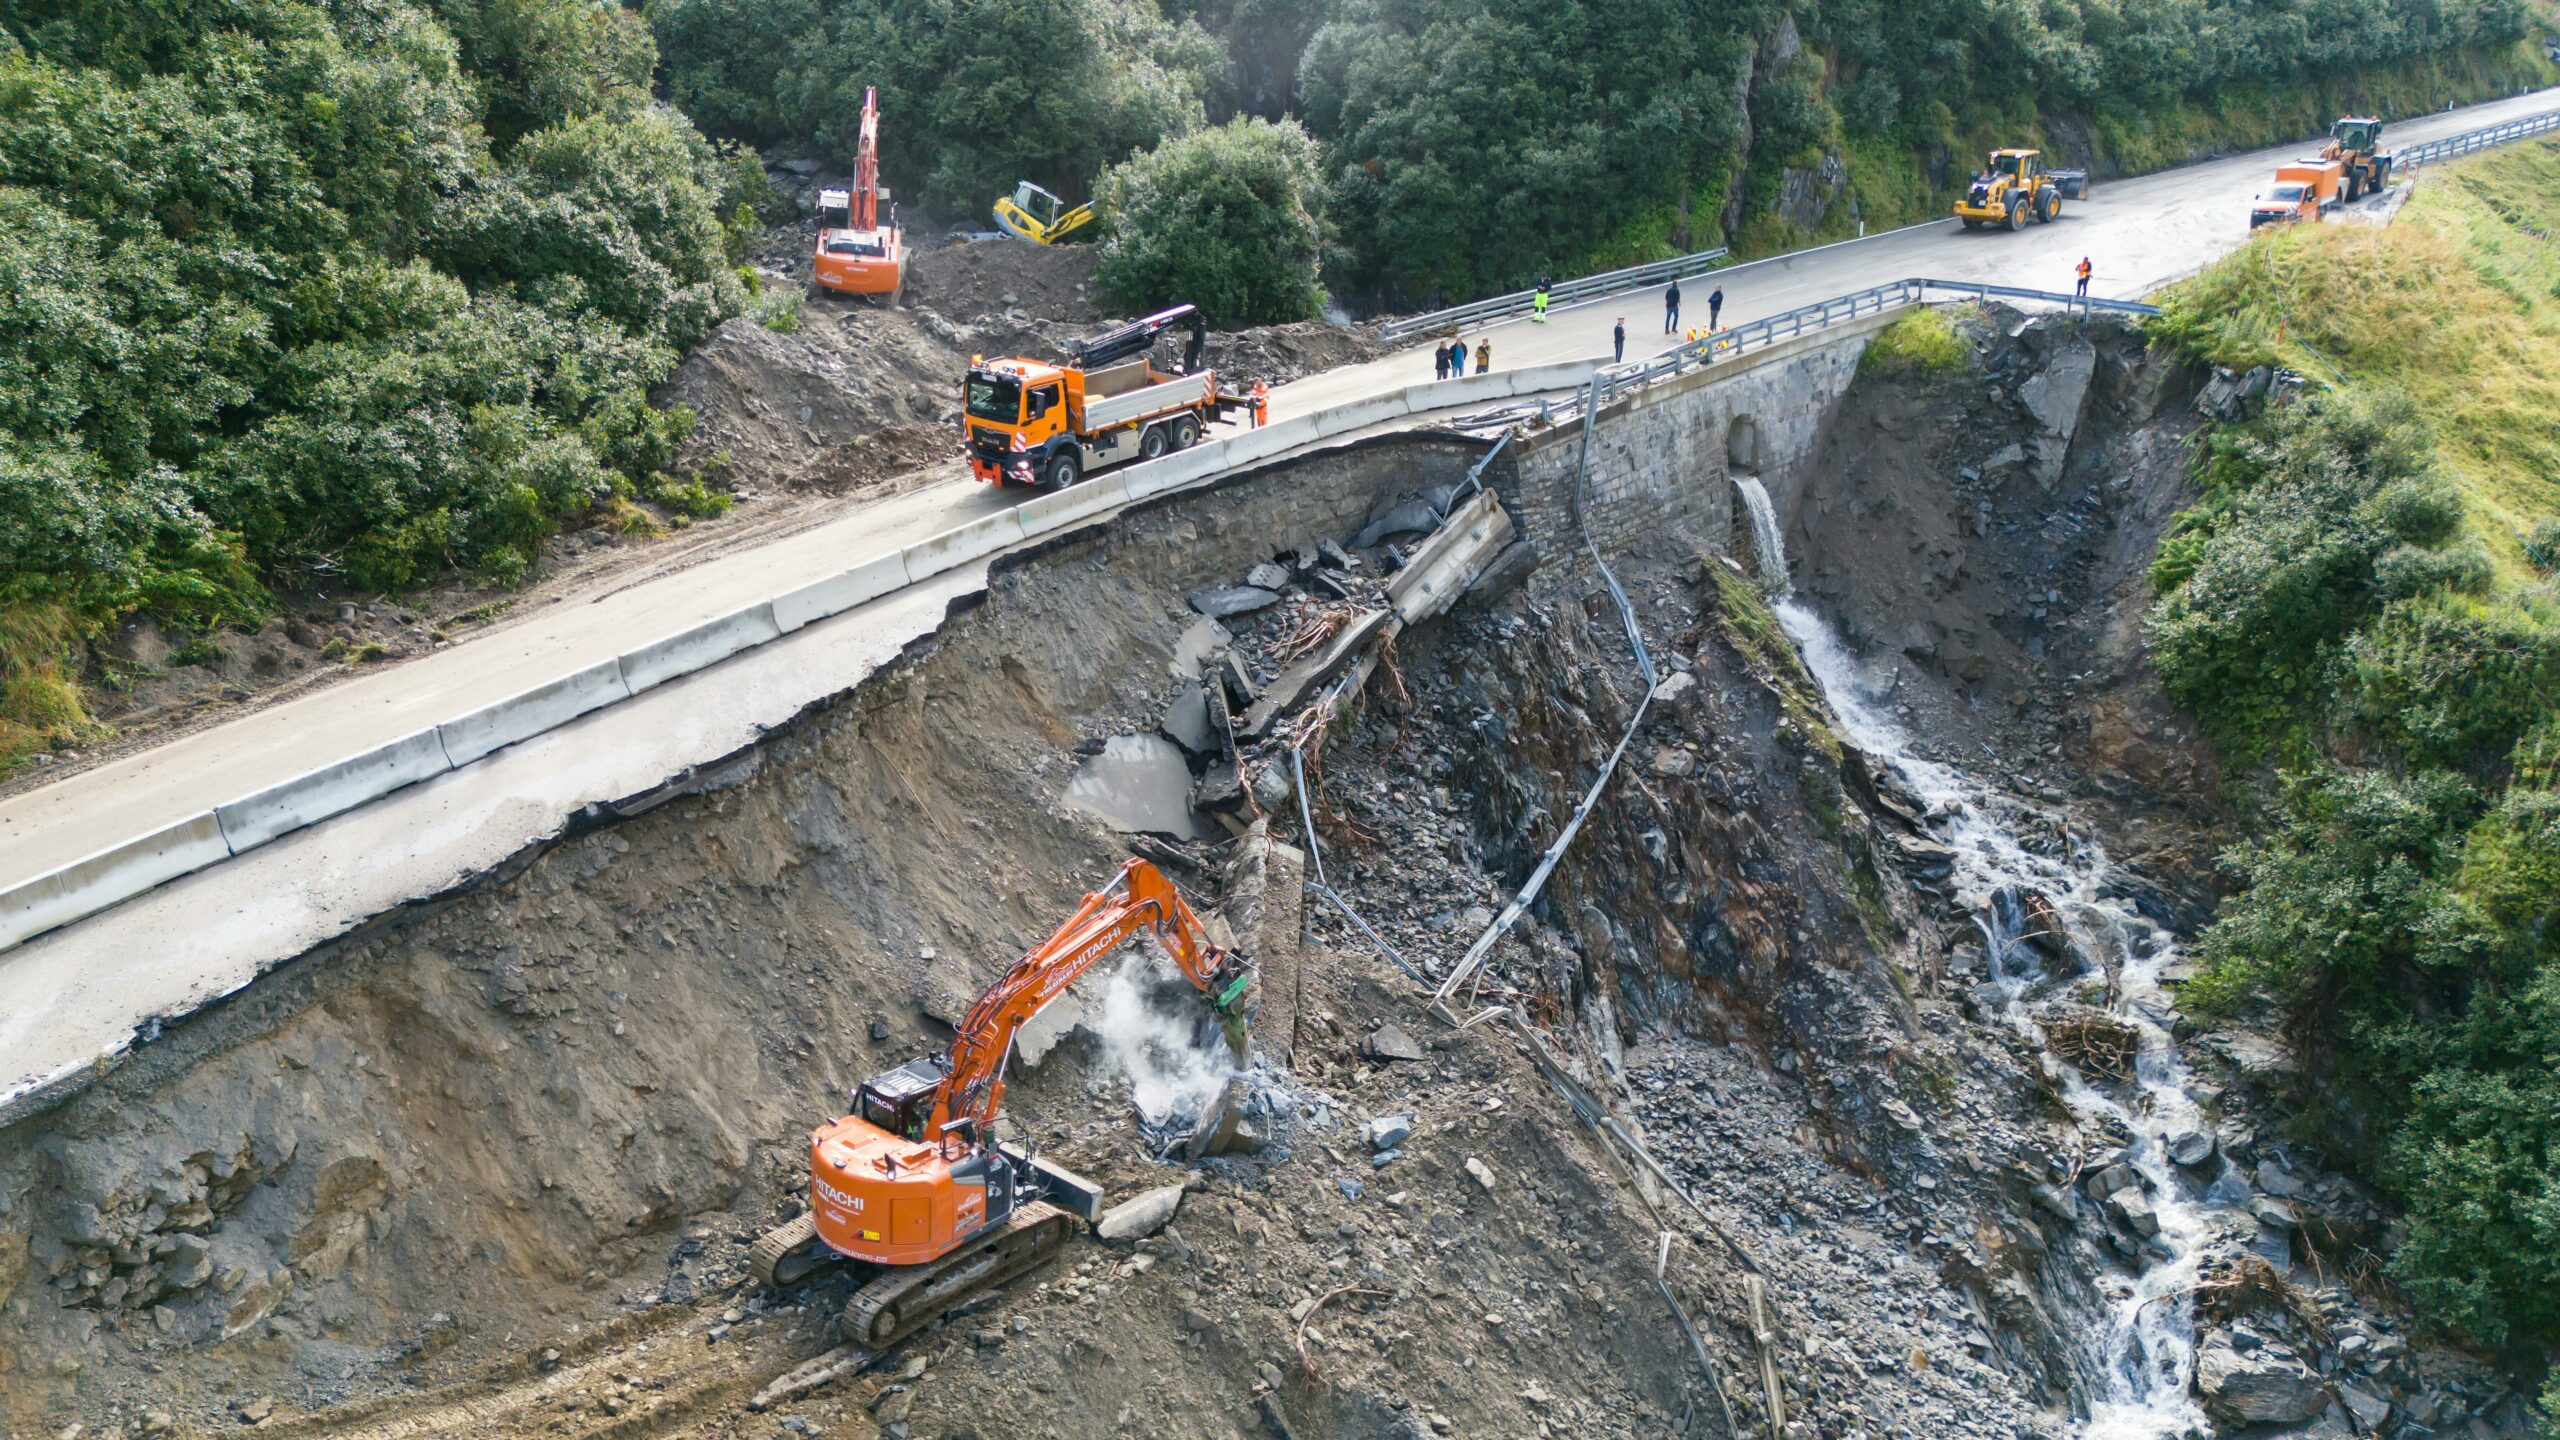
(1180, 392)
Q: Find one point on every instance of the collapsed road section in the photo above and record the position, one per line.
(1806, 1099)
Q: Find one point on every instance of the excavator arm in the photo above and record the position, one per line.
(866, 164)
(972, 1090)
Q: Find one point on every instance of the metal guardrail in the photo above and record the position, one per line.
(2471, 140)
(1616, 380)
(1609, 282)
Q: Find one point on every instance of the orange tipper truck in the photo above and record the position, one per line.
(2303, 190)
(1051, 425)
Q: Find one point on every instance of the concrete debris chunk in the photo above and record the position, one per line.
(1267, 576)
(1483, 1174)
(837, 1364)
(1390, 1042)
(1342, 559)
(1227, 601)
(1187, 719)
(1140, 1217)
(1386, 1132)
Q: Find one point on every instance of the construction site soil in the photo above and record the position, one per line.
(1751, 1152)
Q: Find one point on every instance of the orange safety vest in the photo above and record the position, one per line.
(2082, 270)
(1261, 404)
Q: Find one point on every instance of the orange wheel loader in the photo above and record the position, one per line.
(913, 1187)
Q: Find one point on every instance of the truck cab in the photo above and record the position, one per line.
(2303, 190)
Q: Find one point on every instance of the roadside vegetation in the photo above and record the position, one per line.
(2362, 611)
(296, 293)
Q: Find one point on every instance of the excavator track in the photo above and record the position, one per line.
(900, 1301)
(790, 1254)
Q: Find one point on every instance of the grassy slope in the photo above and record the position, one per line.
(1888, 174)
(2458, 303)
(2413, 948)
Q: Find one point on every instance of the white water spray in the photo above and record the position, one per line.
(1766, 542)
(2140, 1353)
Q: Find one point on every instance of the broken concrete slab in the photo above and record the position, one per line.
(1186, 719)
(1140, 784)
(1138, 1218)
(1267, 576)
(1313, 669)
(1266, 903)
(1217, 1129)
(1227, 601)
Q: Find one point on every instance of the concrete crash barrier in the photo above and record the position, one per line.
(954, 548)
(1073, 505)
(836, 594)
(85, 887)
(316, 795)
(521, 717)
(708, 643)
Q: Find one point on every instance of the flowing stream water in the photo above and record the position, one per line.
(2138, 1350)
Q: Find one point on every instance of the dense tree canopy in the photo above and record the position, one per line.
(976, 94)
(272, 305)
(1219, 218)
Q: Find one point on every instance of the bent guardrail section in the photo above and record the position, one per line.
(1503, 307)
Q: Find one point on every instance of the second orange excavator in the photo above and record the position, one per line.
(860, 252)
(913, 1185)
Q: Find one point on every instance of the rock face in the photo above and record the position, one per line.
(2259, 1388)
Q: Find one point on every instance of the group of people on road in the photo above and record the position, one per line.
(1449, 361)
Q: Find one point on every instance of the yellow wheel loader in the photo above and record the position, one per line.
(2015, 187)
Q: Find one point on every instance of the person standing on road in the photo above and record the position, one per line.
(1618, 341)
(1484, 354)
(1671, 309)
(1715, 307)
(1538, 303)
(2083, 272)
(1457, 357)
(1440, 362)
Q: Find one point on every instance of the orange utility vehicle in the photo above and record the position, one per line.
(1037, 423)
(2303, 190)
(913, 1185)
(858, 253)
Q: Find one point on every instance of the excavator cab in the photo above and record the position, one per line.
(900, 1101)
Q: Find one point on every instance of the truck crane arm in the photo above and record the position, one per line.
(972, 1090)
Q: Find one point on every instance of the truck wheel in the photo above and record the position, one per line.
(1153, 444)
(1972, 224)
(1063, 470)
(2048, 204)
(1186, 432)
(2018, 213)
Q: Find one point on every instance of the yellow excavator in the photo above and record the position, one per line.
(1033, 214)
(2015, 187)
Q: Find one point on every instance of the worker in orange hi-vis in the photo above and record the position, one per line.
(1261, 404)
(2083, 273)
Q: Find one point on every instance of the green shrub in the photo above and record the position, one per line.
(1223, 219)
(2542, 545)
(1922, 343)
(2447, 679)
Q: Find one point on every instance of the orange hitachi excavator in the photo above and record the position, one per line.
(860, 253)
(913, 1185)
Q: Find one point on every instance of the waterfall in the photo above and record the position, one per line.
(2139, 1350)
(1765, 540)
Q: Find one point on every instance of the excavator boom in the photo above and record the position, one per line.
(912, 1182)
(860, 250)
